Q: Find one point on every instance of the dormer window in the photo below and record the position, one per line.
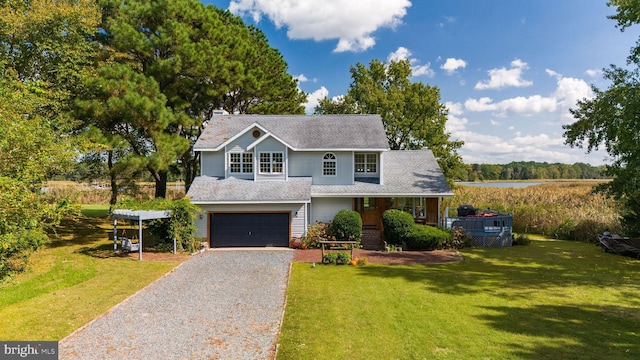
(329, 165)
(271, 162)
(366, 163)
(241, 163)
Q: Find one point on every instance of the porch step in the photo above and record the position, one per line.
(371, 239)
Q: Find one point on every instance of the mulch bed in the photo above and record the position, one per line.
(381, 257)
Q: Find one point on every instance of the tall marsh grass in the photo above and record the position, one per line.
(101, 194)
(562, 210)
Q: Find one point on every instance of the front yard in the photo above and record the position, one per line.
(72, 281)
(551, 299)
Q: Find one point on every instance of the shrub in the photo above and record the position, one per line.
(343, 257)
(397, 225)
(362, 261)
(521, 239)
(459, 239)
(330, 258)
(316, 232)
(26, 220)
(424, 237)
(347, 225)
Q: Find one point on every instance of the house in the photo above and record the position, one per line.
(266, 178)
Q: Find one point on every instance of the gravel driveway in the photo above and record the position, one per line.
(221, 304)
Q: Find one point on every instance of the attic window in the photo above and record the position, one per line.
(255, 134)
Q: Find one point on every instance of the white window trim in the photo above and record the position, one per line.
(242, 162)
(271, 172)
(366, 170)
(335, 162)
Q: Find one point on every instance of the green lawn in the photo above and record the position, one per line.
(70, 282)
(548, 300)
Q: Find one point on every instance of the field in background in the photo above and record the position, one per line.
(100, 193)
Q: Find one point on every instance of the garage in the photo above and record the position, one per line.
(249, 229)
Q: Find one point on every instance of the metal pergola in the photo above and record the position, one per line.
(139, 216)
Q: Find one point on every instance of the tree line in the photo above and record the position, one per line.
(529, 170)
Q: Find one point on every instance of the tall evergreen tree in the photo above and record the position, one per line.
(201, 59)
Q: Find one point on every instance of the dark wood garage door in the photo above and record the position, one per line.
(249, 229)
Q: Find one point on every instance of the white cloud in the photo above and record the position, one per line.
(492, 149)
(313, 99)
(566, 95)
(302, 78)
(452, 64)
(594, 72)
(454, 108)
(519, 105)
(423, 70)
(328, 19)
(553, 74)
(455, 123)
(503, 77)
(402, 53)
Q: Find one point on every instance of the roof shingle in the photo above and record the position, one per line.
(301, 132)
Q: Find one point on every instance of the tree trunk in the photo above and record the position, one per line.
(112, 179)
(191, 165)
(161, 184)
(160, 177)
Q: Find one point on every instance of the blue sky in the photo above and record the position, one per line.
(508, 70)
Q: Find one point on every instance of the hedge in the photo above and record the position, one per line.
(424, 237)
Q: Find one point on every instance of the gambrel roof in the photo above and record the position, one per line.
(299, 132)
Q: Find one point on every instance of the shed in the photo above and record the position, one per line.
(139, 216)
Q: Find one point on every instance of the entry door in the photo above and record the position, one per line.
(371, 210)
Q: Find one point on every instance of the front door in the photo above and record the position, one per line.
(371, 210)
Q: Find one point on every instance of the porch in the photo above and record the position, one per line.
(424, 211)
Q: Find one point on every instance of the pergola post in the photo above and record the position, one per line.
(140, 239)
(115, 235)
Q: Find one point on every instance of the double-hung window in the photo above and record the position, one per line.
(366, 163)
(271, 162)
(329, 165)
(241, 163)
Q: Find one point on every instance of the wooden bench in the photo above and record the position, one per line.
(341, 245)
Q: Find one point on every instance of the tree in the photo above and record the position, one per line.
(610, 120)
(201, 59)
(30, 149)
(411, 112)
(48, 42)
(128, 111)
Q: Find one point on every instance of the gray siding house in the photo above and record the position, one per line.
(266, 178)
